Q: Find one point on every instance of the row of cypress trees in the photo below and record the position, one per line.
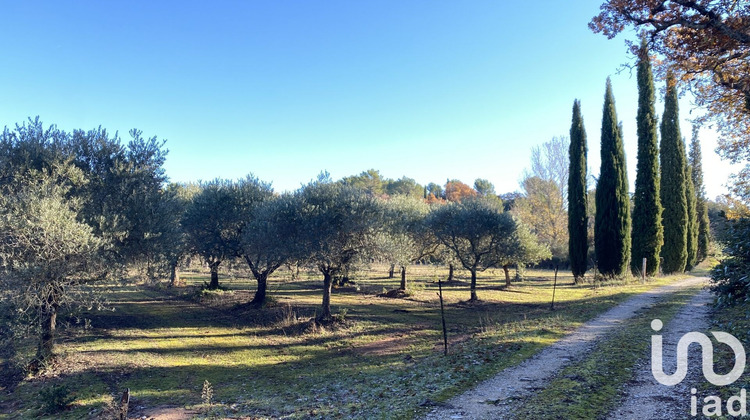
(669, 217)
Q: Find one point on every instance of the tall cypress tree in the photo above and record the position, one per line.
(578, 246)
(701, 208)
(612, 224)
(692, 202)
(673, 185)
(648, 234)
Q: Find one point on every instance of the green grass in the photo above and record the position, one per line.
(384, 362)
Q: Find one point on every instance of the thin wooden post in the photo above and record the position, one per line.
(643, 270)
(554, 287)
(442, 316)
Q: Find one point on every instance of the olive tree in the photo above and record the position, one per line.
(272, 239)
(520, 249)
(46, 255)
(339, 225)
(216, 218)
(474, 230)
(407, 238)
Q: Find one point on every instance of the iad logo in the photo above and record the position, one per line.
(708, 357)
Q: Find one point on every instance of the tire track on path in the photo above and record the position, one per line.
(647, 398)
(492, 399)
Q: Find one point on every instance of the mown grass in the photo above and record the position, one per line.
(385, 361)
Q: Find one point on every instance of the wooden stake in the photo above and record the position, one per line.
(442, 316)
(554, 286)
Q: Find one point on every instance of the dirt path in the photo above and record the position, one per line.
(648, 399)
(493, 398)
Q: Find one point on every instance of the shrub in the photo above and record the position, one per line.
(55, 398)
(731, 277)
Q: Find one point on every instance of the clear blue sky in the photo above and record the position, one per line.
(286, 89)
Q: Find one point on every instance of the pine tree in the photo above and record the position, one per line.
(701, 209)
(648, 234)
(612, 224)
(577, 215)
(673, 185)
(692, 232)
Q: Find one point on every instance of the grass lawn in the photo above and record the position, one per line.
(384, 361)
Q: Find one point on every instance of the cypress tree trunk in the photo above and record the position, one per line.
(577, 192)
(403, 277)
(612, 225)
(474, 297)
(214, 266)
(673, 185)
(648, 234)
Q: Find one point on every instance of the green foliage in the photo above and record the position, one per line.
(271, 239)
(692, 231)
(119, 187)
(217, 215)
(339, 226)
(701, 210)
(481, 236)
(731, 277)
(55, 398)
(406, 237)
(648, 233)
(404, 186)
(484, 187)
(45, 253)
(369, 180)
(673, 185)
(435, 190)
(577, 196)
(612, 225)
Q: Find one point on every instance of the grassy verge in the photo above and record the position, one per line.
(385, 361)
(591, 388)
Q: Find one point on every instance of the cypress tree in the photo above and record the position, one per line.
(578, 246)
(612, 223)
(648, 234)
(673, 185)
(692, 232)
(701, 208)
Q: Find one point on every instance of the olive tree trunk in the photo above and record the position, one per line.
(474, 297)
(214, 276)
(327, 282)
(507, 275)
(260, 294)
(48, 322)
